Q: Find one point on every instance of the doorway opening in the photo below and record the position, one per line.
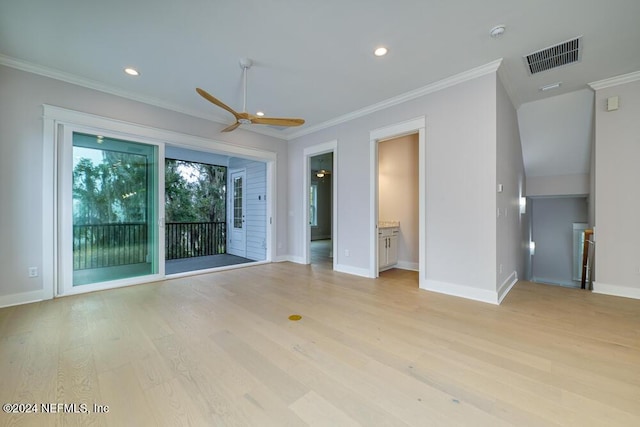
(321, 210)
(105, 218)
(320, 205)
(215, 207)
(397, 195)
(557, 229)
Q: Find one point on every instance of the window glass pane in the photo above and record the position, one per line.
(114, 194)
(237, 202)
(313, 205)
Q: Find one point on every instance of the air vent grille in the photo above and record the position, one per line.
(561, 54)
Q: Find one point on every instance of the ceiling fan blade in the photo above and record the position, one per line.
(277, 121)
(231, 127)
(216, 101)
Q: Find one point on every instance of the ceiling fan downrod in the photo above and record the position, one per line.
(245, 64)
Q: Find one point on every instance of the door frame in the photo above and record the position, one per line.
(409, 127)
(231, 207)
(327, 147)
(54, 120)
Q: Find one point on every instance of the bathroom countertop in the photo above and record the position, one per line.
(388, 224)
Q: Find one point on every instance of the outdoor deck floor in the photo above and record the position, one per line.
(202, 263)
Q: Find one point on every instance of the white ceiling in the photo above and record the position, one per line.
(313, 59)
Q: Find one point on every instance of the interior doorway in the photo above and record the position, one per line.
(320, 205)
(398, 203)
(414, 127)
(321, 209)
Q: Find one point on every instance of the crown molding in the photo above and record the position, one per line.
(112, 90)
(615, 81)
(417, 93)
(91, 84)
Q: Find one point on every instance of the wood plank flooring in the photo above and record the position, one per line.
(218, 350)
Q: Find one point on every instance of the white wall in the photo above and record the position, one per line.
(460, 186)
(21, 163)
(552, 229)
(256, 199)
(398, 193)
(512, 227)
(556, 134)
(617, 148)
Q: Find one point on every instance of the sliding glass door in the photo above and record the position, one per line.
(109, 205)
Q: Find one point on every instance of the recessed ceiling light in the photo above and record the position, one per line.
(260, 113)
(551, 86)
(497, 31)
(380, 51)
(131, 71)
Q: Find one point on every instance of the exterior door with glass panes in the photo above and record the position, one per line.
(237, 225)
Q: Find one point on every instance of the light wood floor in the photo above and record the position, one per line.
(218, 349)
(321, 253)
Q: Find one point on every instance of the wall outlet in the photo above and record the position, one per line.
(33, 271)
(500, 268)
(346, 252)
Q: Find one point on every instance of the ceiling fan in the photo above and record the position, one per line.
(245, 118)
(322, 172)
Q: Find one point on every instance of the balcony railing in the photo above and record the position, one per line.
(193, 239)
(110, 245)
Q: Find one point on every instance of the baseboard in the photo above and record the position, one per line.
(616, 290)
(506, 286)
(363, 272)
(482, 295)
(289, 258)
(405, 265)
(21, 298)
(564, 283)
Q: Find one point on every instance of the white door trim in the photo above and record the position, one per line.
(327, 147)
(409, 127)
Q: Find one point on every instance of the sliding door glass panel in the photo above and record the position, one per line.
(115, 195)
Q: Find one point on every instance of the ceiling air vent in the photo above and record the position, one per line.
(555, 56)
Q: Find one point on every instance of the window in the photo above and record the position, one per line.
(313, 205)
(237, 202)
